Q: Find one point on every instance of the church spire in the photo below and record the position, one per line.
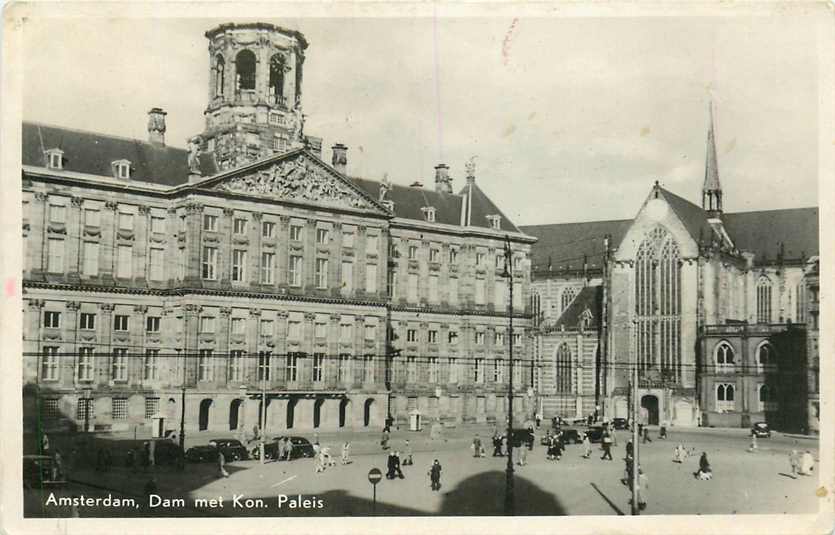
(712, 190)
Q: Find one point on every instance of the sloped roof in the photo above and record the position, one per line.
(590, 297)
(92, 153)
(565, 245)
(408, 201)
(692, 216)
(763, 231)
(482, 206)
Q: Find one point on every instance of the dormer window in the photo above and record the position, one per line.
(54, 158)
(495, 221)
(429, 213)
(121, 169)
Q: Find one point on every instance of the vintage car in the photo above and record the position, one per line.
(301, 448)
(620, 423)
(761, 430)
(40, 471)
(232, 450)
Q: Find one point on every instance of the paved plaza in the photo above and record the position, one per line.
(743, 482)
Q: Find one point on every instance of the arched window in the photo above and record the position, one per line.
(768, 398)
(585, 320)
(245, 70)
(276, 87)
(764, 300)
(563, 369)
(724, 356)
(567, 297)
(658, 303)
(220, 76)
(724, 397)
(766, 357)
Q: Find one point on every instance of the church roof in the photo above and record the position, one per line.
(763, 232)
(692, 216)
(711, 162)
(565, 246)
(590, 298)
(92, 153)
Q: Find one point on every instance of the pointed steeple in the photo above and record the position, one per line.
(712, 190)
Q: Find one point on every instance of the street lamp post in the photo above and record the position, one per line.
(87, 398)
(635, 412)
(509, 504)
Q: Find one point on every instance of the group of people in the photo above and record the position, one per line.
(801, 463)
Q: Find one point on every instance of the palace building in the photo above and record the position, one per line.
(719, 311)
(245, 280)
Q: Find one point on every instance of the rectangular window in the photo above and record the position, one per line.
(55, 256)
(151, 364)
(347, 275)
(205, 369)
(296, 232)
(152, 324)
(239, 226)
(57, 213)
(320, 330)
(49, 364)
(295, 271)
(49, 409)
(479, 338)
(236, 364)
(181, 262)
(479, 259)
(322, 236)
(238, 265)
(119, 367)
(209, 263)
(268, 229)
(121, 322)
(51, 319)
(157, 260)
(371, 278)
(183, 225)
(452, 338)
(411, 335)
(433, 369)
(478, 371)
(210, 222)
(343, 372)
(413, 288)
(479, 292)
(124, 267)
(321, 273)
(453, 370)
(498, 371)
(264, 365)
(91, 217)
(84, 410)
(267, 328)
(413, 252)
(125, 221)
(207, 324)
(318, 365)
(372, 244)
(157, 225)
(347, 236)
(433, 288)
(432, 337)
(238, 325)
(119, 408)
(267, 268)
(392, 283)
(498, 339)
(371, 332)
(499, 297)
(517, 339)
(368, 368)
(411, 370)
(294, 330)
(453, 256)
(292, 366)
(518, 368)
(453, 291)
(151, 407)
(91, 259)
(85, 364)
(434, 255)
(346, 332)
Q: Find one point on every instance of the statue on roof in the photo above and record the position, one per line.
(194, 155)
(385, 186)
(470, 167)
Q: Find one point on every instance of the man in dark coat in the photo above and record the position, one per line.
(397, 470)
(390, 470)
(435, 475)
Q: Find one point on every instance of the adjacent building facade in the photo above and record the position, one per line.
(244, 281)
(715, 308)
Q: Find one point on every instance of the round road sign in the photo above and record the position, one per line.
(374, 476)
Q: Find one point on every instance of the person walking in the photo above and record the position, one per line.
(646, 436)
(753, 448)
(146, 456)
(679, 454)
(319, 465)
(384, 441)
(288, 449)
(794, 462)
(390, 471)
(523, 457)
(643, 489)
(476, 446)
(497, 444)
(705, 472)
(607, 445)
(435, 475)
(586, 446)
(807, 464)
(397, 471)
(346, 447)
(130, 462)
(221, 465)
(504, 446)
(630, 449)
(409, 452)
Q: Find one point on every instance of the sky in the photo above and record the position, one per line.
(569, 119)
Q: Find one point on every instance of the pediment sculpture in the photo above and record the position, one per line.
(298, 179)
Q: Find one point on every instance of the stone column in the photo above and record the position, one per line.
(36, 249)
(253, 337)
(253, 274)
(67, 367)
(141, 243)
(191, 316)
(136, 365)
(223, 347)
(107, 247)
(101, 374)
(194, 231)
(332, 355)
(309, 256)
(74, 238)
(282, 256)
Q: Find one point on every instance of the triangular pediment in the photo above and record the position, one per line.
(298, 177)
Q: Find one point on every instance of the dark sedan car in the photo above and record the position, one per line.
(301, 448)
(761, 430)
(620, 423)
(40, 471)
(232, 450)
(166, 452)
(595, 433)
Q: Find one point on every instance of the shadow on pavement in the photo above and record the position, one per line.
(483, 494)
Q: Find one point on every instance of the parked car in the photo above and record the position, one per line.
(232, 450)
(595, 433)
(301, 448)
(620, 423)
(41, 470)
(166, 452)
(761, 430)
(522, 436)
(571, 435)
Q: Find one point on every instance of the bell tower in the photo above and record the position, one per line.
(255, 93)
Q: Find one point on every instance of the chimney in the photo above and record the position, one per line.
(339, 160)
(443, 184)
(156, 126)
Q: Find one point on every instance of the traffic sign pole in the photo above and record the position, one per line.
(374, 477)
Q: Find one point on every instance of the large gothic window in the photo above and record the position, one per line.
(724, 356)
(277, 79)
(658, 304)
(764, 300)
(567, 297)
(563, 371)
(766, 358)
(220, 76)
(245, 70)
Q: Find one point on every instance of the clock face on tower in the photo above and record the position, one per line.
(656, 209)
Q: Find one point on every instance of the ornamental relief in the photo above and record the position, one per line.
(300, 180)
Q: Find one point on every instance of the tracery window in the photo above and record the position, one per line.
(724, 356)
(562, 379)
(725, 397)
(764, 300)
(277, 79)
(245, 67)
(567, 297)
(766, 358)
(658, 303)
